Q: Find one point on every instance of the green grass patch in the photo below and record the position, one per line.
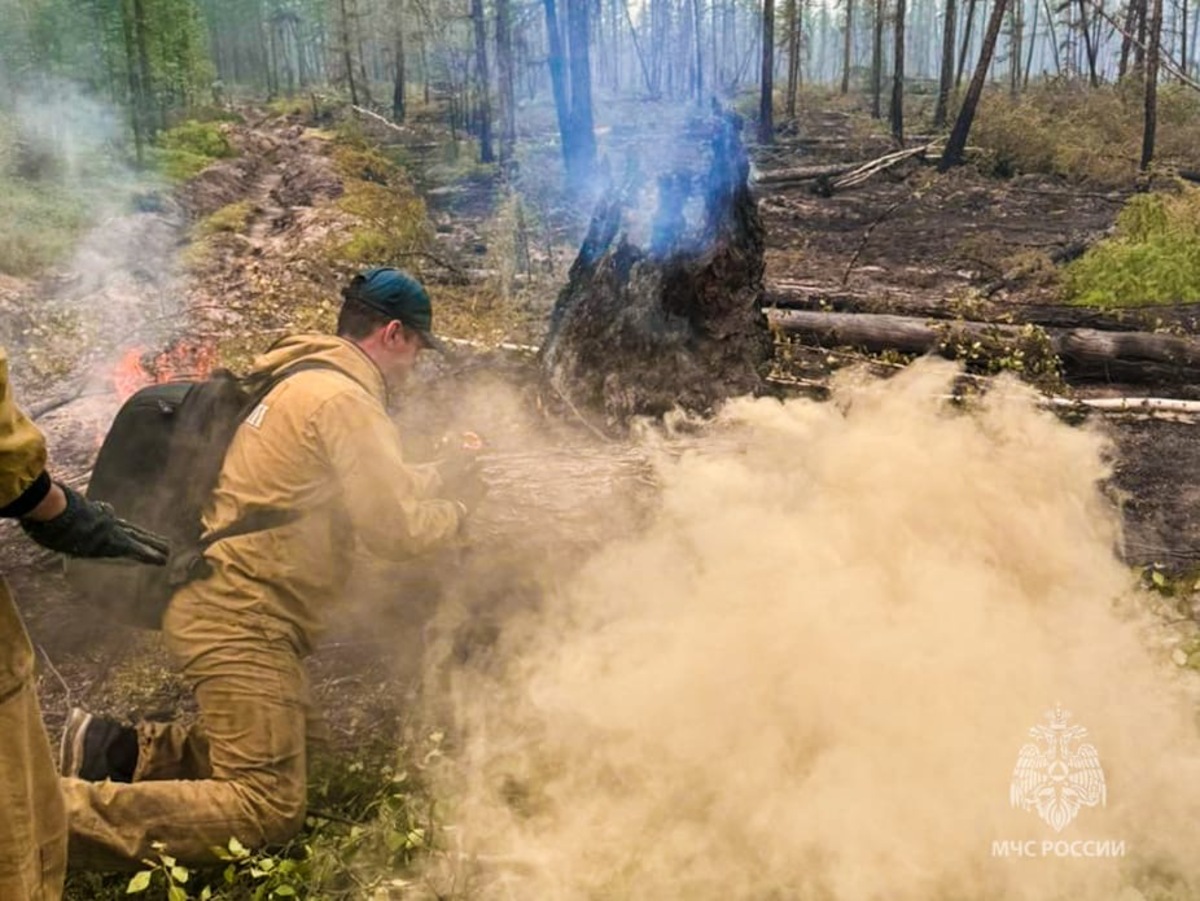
(231, 218)
(394, 223)
(184, 151)
(1153, 258)
(40, 222)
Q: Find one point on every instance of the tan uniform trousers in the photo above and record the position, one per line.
(241, 775)
(33, 827)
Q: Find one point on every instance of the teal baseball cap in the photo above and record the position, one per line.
(397, 294)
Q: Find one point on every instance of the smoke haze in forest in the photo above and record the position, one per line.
(811, 674)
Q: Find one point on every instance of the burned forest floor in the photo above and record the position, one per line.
(258, 244)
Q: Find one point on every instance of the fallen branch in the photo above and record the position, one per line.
(862, 245)
(1127, 404)
(378, 118)
(882, 164)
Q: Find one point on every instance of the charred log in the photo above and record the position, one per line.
(793, 295)
(680, 324)
(1087, 354)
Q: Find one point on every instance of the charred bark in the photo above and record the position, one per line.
(679, 324)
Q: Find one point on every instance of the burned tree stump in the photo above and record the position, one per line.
(678, 324)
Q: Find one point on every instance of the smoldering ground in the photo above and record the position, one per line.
(809, 674)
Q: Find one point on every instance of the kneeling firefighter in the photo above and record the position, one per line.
(313, 467)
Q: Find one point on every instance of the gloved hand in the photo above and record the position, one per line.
(91, 529)
(461, 481)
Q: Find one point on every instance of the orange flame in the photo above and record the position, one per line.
(183, 360)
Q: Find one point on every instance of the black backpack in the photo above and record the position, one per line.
(158, 467)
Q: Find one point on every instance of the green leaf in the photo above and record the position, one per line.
(1158, 578)
(179, 874)
(175, 893)
(284, 891)
(206, 893)
(237, 849)
(139, 883)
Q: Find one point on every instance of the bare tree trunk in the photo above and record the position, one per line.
(347, 53)
(508, 97)
(877, 62)
(583, 141)
(698, 20)
(1054, 45)
(766, 111)
(1151, 121)
(793, 75)
(847, 46)
(137, 105)
(953, 155)
(898, 76)
(1033, 37)
(946, 82)
(558, 80)
(1017, 27)
(1183, 39)
(966, 43)
(1127, 38)
(145, 73)
(399, 85)
(637, 49)
(483, 84)
(1089, 47)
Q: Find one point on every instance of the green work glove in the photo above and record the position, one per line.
(91, 529)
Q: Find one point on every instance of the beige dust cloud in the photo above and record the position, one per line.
(810, 675)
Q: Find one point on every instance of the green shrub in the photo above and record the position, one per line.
(1154, 257)
(1083, 134)
(187, 149)
(201, 138)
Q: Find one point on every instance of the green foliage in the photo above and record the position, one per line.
(85, 44)
(1153, 258)
(372, 820)
(190, 147)
(1028, 353)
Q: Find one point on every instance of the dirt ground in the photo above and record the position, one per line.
(909, 233)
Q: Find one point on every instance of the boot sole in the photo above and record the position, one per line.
(70, 751)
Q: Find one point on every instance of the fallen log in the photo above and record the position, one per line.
(804, 173)
(793, 295)
(1085, 353)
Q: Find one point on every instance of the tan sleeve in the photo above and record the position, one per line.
(22, 448)
(427, 478)
(384, 497)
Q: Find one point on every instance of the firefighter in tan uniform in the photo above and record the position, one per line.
(33, 828)
(321, 445)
